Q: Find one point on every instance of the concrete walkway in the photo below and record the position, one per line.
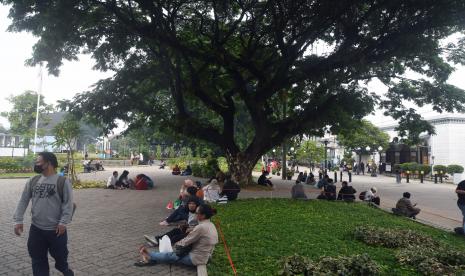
(109, 225)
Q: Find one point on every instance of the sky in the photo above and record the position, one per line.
(15, 77)
(78, 76)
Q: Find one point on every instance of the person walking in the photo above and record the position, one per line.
(52, 210)
(460, 190)
(398, 176)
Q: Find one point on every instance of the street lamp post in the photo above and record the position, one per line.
(326, 156)
(359, 151)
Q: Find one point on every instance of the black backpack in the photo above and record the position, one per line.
(361, 196)
(60, 186)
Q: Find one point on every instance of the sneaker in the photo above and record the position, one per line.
(164, 223)
(151, 239)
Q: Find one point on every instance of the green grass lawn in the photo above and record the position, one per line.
(260, 232)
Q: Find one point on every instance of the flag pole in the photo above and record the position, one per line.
(39, 91)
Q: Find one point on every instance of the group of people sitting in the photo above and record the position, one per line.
(329, 191)
(193, 241)
(141, 182)
(195, 236)
(90, 165)
(177, 170)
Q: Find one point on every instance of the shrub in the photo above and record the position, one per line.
(353, 265)
(411, 166)
(425, 168)
(438, 260)
(451, 169)
(88, 184)
(196, 169)
(439, 168)
(391, 238)
(10, 164)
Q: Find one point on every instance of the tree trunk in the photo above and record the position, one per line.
(241, 167)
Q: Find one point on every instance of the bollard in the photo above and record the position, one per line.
(350, 177)
(435, 179)
(340, 176)
(440, 177)
(421, 178)
(335, 177)
(408, 178)
(320, 175)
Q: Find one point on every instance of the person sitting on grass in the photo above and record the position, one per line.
(176, 170)
(230, 188)
(162, 164)
(182, 230)
(346, 193)
(297, 191)
(264, 180)
(193, 250)
(212, 191)
(405, 207)
(111, 182)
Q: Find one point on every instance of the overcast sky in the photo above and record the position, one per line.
(78, 76)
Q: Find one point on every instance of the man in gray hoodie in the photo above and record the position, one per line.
(52, 210)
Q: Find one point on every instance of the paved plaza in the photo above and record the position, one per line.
(109, 225)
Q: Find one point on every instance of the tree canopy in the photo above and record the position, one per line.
(363, 135)
(22, 116)
(225, 71)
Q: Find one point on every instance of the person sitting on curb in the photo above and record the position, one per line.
(176, 170)
(230, 188)
(187, 171)
(212, 191)
(194, 250)
(404, 207)
(264, 180)
(180, 232)
(330, 190)
(182, 212)
(371, 196)
(124, 182)
(322, 182)
(346, 193)
(111, 182)
(297, 191)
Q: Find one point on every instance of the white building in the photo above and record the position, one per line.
(447, 146)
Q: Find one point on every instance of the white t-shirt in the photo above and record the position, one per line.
(111, 181)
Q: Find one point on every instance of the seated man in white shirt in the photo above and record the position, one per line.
(111, 182)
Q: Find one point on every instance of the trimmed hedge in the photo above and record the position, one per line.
(451, 169)
(414, 167)
(439, 168)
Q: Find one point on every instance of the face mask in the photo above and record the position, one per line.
(38, 169)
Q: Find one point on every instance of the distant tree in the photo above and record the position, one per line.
(22, 116)
(2, 129)
(66, 135)
(363, 135)
(310, 151)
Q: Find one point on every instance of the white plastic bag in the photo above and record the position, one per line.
(165, 245)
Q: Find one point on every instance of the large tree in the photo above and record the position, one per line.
(247, 74)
